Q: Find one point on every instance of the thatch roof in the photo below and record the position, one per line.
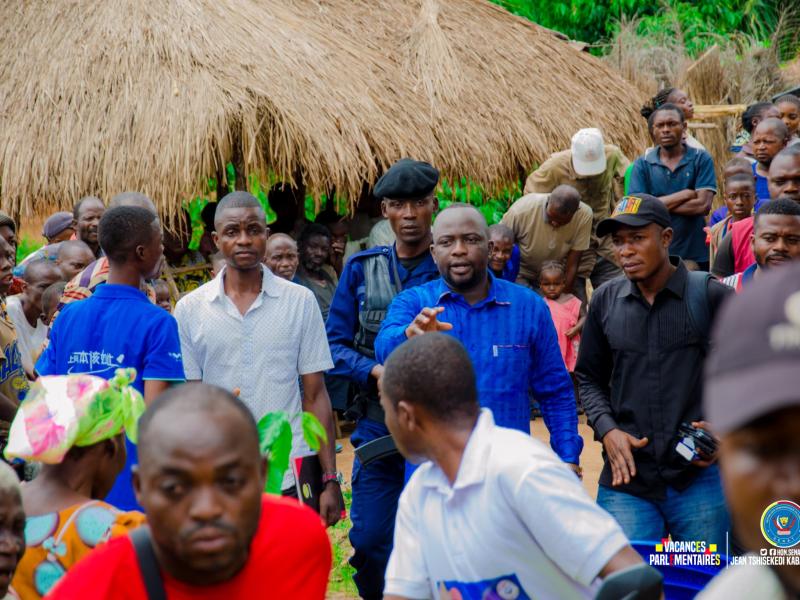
(155, 95)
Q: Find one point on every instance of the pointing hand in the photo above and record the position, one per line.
(426, 322)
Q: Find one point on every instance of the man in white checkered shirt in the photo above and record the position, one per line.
(251, 330)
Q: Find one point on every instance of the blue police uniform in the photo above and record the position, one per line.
(377, 486)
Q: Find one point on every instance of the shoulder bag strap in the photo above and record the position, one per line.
(148, 564)
(697, 303)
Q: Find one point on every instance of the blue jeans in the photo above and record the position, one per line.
(696, 513)
(376, 489)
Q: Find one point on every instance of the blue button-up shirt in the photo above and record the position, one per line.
(695, 171)
(512, 342)
(342, 323)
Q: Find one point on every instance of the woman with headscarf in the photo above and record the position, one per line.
(73, 425)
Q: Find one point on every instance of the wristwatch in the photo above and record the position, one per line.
(335, 477)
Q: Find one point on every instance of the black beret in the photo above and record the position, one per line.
(407, 178)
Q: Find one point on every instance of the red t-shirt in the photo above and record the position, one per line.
(290, 557)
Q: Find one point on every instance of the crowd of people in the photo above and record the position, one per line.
(135, 369)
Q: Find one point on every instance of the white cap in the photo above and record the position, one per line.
(588, 152)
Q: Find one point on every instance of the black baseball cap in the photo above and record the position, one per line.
(635, 211)
(754, 367)
(407, 178)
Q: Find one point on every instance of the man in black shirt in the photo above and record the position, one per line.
(640, 374)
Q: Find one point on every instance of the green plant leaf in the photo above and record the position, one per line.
(230, 171)
(314, 432)
(275, 442)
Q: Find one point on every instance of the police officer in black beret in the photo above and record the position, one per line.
(369, 282)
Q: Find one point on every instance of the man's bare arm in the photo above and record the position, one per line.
(318, 403)
(627, 557)
(573, 258)
(152, 388)
(698, 207)
(673, 201)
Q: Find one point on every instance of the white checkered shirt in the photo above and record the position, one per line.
(263, 353)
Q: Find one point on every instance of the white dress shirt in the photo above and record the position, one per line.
(516, 523)
(263, 352)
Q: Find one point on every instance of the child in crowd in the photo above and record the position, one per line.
(740, 197)
(567, 311)
(736, 165)
(50, 300)
(751, 117)
(504, 255)
(162, 295)
(217, 262)
(769, 138)
(789, 106)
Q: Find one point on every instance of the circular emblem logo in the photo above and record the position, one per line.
(780, 524)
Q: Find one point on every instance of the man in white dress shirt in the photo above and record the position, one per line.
(494, 513)
(250, 330)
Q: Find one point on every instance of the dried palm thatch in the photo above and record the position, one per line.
(736, 70)
(156, 95)
(790, 73)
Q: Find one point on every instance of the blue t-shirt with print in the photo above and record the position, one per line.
(116, 327)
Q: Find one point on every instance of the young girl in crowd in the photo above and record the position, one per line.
(566, 310)
(789, 107)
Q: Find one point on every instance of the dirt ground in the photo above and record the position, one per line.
(591, 461)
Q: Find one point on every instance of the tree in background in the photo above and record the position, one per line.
(595, 21)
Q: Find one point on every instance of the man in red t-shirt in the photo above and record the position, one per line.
(215, 535)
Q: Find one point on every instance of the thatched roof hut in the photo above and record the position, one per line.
(155, 95)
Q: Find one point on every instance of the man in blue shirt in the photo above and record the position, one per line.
(506, 329)
(369, 281)
(118, 326)
(681, 177)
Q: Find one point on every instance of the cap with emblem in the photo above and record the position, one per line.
(754, 368)
(407, 178)
(56, 224)
(635, 211)
(588, 152)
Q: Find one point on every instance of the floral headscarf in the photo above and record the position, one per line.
(62, 411)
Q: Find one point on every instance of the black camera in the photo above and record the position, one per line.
(691, 439)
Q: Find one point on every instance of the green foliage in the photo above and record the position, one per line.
(594, 21)
(275, 442)
(313, 431)
(195, 205)
(341, 578)
(491, 206)
(275, 437)
(26, 246)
